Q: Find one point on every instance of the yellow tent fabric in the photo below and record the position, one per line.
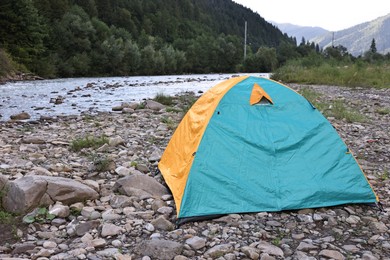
(177, 159)
(257, 94)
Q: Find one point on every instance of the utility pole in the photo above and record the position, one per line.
(332, 39)
(245, 41)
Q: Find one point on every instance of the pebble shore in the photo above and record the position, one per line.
(113, 222)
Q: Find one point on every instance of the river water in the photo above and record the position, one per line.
(95, 94)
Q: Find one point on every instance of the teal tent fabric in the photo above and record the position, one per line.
(270, 157)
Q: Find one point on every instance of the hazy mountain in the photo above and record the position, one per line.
(356, 39)
(300, 32)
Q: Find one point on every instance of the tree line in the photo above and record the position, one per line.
(73, 38)
(66, 38)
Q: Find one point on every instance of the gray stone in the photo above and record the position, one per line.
(23, 248)
(3, 181)
(162, 224)
(24, 194)
(165, 210)
(219, 250)
(156, 155)
(115, 141)
(252, 253)
(59, 210)
(196, 242)
(29, 192)
(351, 248)
(379, 227)
(140, 185)
(82, 228)
(33, 140)
(153, 105)
(270, 249)
(109, 229)
(108, 253)
(120, 201)
(303, 246)
(333, 254)
(122, 171)
(142, 168)
(159, 249)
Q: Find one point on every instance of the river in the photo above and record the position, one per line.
(95, 94)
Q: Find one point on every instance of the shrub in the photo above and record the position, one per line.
(163, 99)
(87, 142)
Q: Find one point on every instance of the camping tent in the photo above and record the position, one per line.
(250, 144)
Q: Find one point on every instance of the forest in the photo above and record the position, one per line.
(75, 38)
(70, 38)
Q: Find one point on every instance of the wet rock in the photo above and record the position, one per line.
(20, 116)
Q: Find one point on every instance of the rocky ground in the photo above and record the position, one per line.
(110, 202)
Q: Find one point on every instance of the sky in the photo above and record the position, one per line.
(332, 15)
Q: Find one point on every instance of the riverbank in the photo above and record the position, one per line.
(20, 76)
(119, 223)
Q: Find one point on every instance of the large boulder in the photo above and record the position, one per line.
(141, 186)
(26, 193)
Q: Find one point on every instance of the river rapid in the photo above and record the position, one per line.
(77, 95)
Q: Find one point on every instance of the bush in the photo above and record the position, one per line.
(5, 63)
(163, 99)
(87, 142)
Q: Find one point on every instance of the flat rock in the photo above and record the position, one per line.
(140, 185)
(159, 249)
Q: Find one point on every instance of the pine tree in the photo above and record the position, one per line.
(373, 46)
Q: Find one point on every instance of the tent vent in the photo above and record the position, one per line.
(259, 96)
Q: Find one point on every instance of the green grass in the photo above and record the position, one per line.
(350, 75)
(383, 111)
(87, 142)
(101, 163)
(385, 175)
(339, 111)
(335, 109)
(5, 217)
(172, 109)
(187, 101)
(169, 122)
(163, 99)
(133, 164)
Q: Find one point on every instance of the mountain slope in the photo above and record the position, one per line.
(299, 32)
(357, 39)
